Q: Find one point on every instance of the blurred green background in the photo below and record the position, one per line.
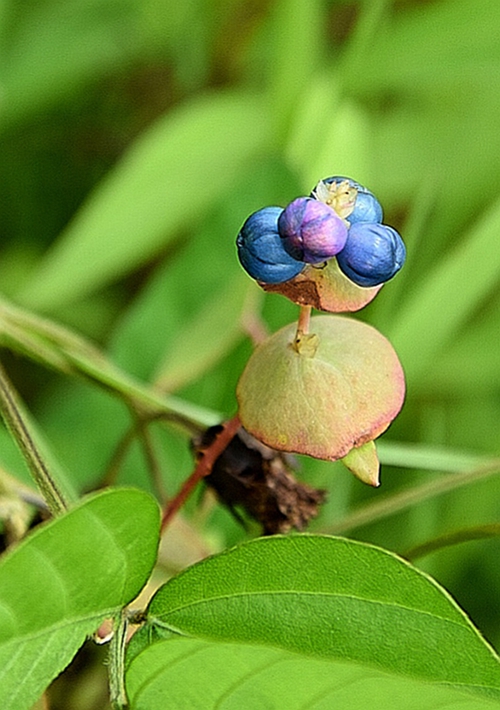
(136, 136)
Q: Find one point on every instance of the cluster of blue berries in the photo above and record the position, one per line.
(340, 219)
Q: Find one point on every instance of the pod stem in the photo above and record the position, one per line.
(304, 343)
(304, 321)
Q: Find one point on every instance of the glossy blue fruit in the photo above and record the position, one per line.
(311, 231)
(366, 208)
(373, 254)
(260, 249)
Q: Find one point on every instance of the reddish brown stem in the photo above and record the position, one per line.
(206, 460)
(255, 327)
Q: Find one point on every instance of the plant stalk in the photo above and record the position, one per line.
(398, 502)
(207, 459)
(10, 409)
(478, 532)
(304, 321)
(116, 662)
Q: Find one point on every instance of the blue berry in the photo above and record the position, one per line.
(261, 251)
(311, 231)
(373, 254)
(366, 206)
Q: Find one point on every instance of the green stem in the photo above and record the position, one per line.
(116, 661)
(59, 348)
(145, 399)
(10, 409)
(151, 460)
(478, 532)
(373, 512)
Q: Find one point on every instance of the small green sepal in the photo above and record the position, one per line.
(363, 462)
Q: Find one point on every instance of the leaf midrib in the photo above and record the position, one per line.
(289, 592)
(52, 628)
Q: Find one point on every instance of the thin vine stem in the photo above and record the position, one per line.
(59, 348)
(477, 532)
(11, 412)
(152, 461)
(139, 426)
(396, 503)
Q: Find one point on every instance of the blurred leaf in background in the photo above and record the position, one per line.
(136, 136)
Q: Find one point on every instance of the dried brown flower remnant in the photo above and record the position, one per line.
(258, 479)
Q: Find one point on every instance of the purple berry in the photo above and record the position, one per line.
(311, 231)
(261, 251)
(373, 254)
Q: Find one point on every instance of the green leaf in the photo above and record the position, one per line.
(335, 389)
(297, 40)
(329, 597)
(167, 181)
(330, 133)
(409, 49)
(90, 37)
(433, 315)
(469, 363)
(96, 38)
(62, 580)
(209, 336)
(183, 285)
(188, 673)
